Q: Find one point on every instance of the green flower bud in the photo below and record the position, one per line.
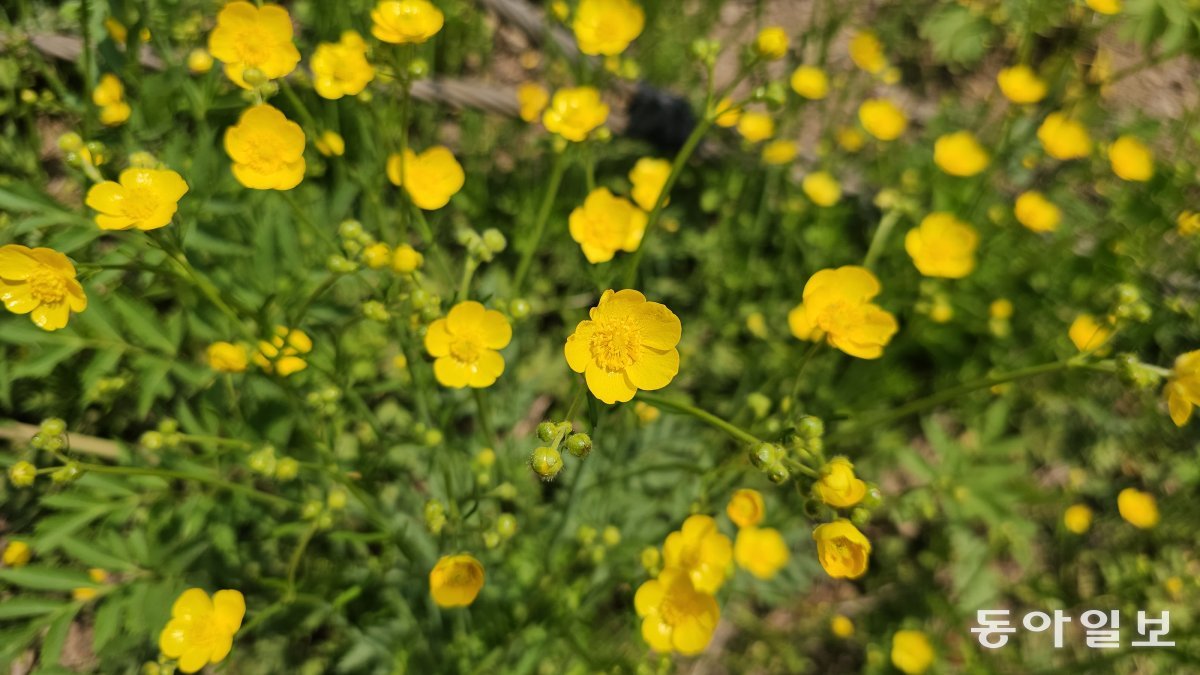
(339, 264)
(651, 560)
(860, 516)
(506, 525)
(759, 404)
(263, 461)
(152, 441)
(53, 426)
(519, 308)
(350, 229)
(765, 455)
(611, 536)
(70, 142)
(494, 240)
(435, 516)
(22, 474)
(778, 473)
(168, 426)
(254, 77)
(287, 469)
(325, 521)
(312, 509)
(491, 539)
(336, 499)
(545, 431)
(506, 492)
(418, 68)
(586, 534)
(375, 311)
(579, 445)
(433, 437)
(546, 462)
(810, 427)
(38, 442)
(68, 473)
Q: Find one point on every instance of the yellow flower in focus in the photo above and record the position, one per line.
(882, 119)
(201, 629)
(605, 224)
(282, 354)
(911, 652)
(771, 43)
(1131, 160)
(625, 345)
(341, 68)
(1020, 84)
(199, 61)
(851, 139)
(836, 305)
(755, 127)
(456, 580)
(1078, 518)
(145, 199)
(810, 82)
(760, 551)
(267, 149)
(649, 176)
(726, 114)
(676, 616)
(867, 52)
(406, 259)
(531, 100)
(1105, 6)
(574, 113)
(1188, 223)
(1064, 138)
(109, 95)
(1087, 334)
(405, 22)
(330, 144)
(39, 282)
(942, 246)
(227, 357)
(465, 345)
(841, 626)
(777, 153)
(1183, 387)
(746, 508)
(16, 554)
(838, 486)
(700, 551)
(430, 178)
(259, 38)
(822, 188)
(606, 27)
(1001, 309)
(959, 154)
(1138, 508)
(842, 550)
(1036, 212)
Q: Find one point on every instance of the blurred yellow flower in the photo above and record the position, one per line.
(405, 22)
(605, 224)
(745, 508)
(1064, 138)
(430, 178)
(645, 412)
(575, 112)
(1087, 334)
(267, 149)
(942, 246)
(607, 26)
(377, 255)
(406, 259)
(1131, 160)
(1036, 212)
(648, 176)
(109, 95)
(282, 354)
(837, 306)
(851, 139)
(760, 551)
(1077, 518)
(676, 616)
(779, 152)
(882, 119)
(39, 282)
(700, 551)
(1188, 223)
(1105, 6)
(465, 345)
(341, 68)
(771, 43)
(1183, 387)
(842, 550)
(227, 357)
(330, 144)
(456, 580)
(22, 474)
(16, 554)
(1001, 308)
(959, 154)
(838, 486)
(625, 345)
(911, 652)
(1138, 508)
(810, 82)
(726, 114)
(199, 61)
(201, 629)
(755, 126)
(145, 199)
(867, 52)
(253, 38)
(841, 626)
(531, 101)
(822, 188)
(1020, 84)
(86, 593)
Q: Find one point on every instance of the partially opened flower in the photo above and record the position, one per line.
(837, 307)
(648, 176)
(1087, 334)
(227, 357)
(838, 486)
(1064, 138)
(145, 199)
(455, 581)
(109, 95)
(1020, 84)
(942, 246)
(254, 38)
(676, 616)
(1183, 387)
(605, 224)
(842, 550)
(267, 149)
(406, 22)
(341, 68)
(745, 508)
(1036, 212)
(430, 178)
(959, 154)
(575, 112)
(701, 551)
(39, 282)
(606, 27)
(466, 345)
(760, 551)
(201, 628)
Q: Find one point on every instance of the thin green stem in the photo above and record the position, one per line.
(702, 415)
(880, 238)
(297, 554)
(808, 354)
(485, 422)
(539, 226)
(250, 492)
(464, 284)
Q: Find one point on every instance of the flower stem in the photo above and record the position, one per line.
(297, 554)
(702, 415)
(539, 226)
(485, 422)
(248, 491)
(880, 238)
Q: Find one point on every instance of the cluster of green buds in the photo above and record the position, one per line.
(321, 512)
(106, 389)
(435, 516)
(165, 436)
(1128, 304)
(594, 544)
(774, 94)
(547, 461)
(261, 86)
(706, 51)
(481, 247)
(264, 462)
(51, 436)
(429, 436)
(324, 402)
(502, 530)
(1133, 372)
(482, 464)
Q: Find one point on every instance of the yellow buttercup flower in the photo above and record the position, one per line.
(1020, 84)
(16, 554)
(145, 199)
(575, 112)
(406, 22)
(1183, 387)
(605, 224)
(755, 126)
(838, 486)
(531, 100)
(822, 188)
(1188, 223)
(1078, 518)
(1131, 160)
(841, 626)
(406, 259)
(465, 345)
(777, 153)
(842, 550)
(455, 581)
(959, 154)
(625, 345)
(606, 27)
(330, 144)
(760, 551)
(771, 43)
(676, 616)
(227, 357)
(267, 149)
(199, 61)
(911, 652)
(1138, 508)
(39, 282)
(726, 114)
(882, 119)
(746, 508)
(430, 178)
(1105, 6)
(283, 353)
(700, 551)
(259, 38)
(867, 52)
(109, 95)
(201, 628)
(1001, 308)
(837, 306)
(942, 246)
(810, 82)
(1087, 334)
(341, 68)
(851, 139)
(1036, 212)
(649, 176)
(377, 255)
(1064, 138)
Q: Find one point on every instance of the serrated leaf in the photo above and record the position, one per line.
(19, 608)
(107, 621)
(142, 323)
(39, 578)
(56, 636)
(92, 556)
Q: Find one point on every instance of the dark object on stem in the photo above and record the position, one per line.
(660, 118)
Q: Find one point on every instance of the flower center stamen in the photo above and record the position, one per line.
(616, 344)
(47, 287)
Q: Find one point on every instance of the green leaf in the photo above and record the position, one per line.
(44, 362)
(957, 35)
(52, 643)
(90, 555)
(107, 621)
(19, 608)
(45, 578)
(143, 322)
